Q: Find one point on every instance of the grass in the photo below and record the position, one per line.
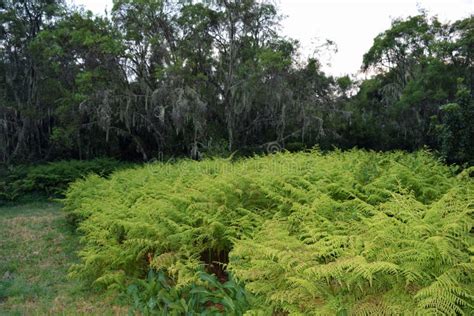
(37, 248)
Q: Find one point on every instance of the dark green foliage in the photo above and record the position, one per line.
(360, 232)
(457, 129)
(156, 295)
(421, 65)
(176, 78)
(50, 179)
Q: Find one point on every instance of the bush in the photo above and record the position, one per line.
(346, 232)
(50, 179)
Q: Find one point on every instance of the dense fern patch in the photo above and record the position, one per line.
(308, 233)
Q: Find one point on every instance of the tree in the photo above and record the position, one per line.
(419, 62)
(181, 77)
(25, 111)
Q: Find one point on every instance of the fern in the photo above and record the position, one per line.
(351, 232)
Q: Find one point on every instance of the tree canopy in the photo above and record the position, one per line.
(189, 77)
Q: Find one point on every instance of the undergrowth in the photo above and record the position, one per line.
(156, 295)
(49, 179)
(353, 232)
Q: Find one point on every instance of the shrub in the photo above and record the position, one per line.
(346, 232)
(50, 179)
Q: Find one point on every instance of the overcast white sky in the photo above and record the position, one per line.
(351, 24)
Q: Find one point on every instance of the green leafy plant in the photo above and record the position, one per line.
(156, 295)
(352, 232)
(52, 178)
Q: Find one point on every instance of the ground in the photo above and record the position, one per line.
(37, 247)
